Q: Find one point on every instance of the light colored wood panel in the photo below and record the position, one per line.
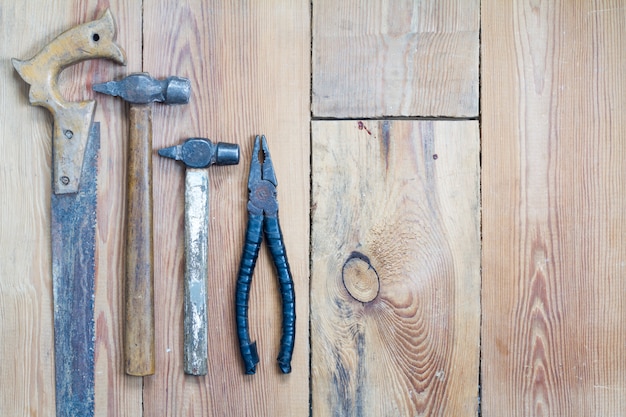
(395, 58)
(553, 187)
(25, 277)
(249, 65)
(395, 203)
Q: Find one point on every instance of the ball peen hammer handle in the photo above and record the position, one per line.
(139, 326)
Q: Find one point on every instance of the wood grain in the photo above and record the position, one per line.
(395, 58)
(400, 199)
(553, 98)
(25, 264)
(249, 65)
(139, 271)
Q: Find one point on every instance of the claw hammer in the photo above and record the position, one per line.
(140, 90)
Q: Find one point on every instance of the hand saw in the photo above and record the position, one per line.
(75, 145)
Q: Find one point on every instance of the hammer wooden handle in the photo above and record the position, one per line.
(195, 358)
(139, 329)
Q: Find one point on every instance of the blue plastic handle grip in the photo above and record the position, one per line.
(276, 246)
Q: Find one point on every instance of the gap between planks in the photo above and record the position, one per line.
(392, 118)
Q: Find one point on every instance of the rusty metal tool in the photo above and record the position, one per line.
(263, 220)
(75, 145)
(195, 154)
(140, 90)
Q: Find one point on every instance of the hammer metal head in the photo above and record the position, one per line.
(141, 88)
(201, 153)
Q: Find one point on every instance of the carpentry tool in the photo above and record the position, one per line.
(75, 145)
(263, 219)
(140, 90)
(198, 153)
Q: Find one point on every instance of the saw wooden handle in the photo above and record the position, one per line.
(72, 120)
(139, 329)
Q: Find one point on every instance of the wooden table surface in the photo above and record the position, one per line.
(451, 190)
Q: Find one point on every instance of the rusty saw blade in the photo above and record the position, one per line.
(75, 145)
(73, 232)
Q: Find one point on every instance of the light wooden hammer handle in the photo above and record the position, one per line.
(195, 358)
(139, 326)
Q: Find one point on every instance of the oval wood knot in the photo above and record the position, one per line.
(360, 278)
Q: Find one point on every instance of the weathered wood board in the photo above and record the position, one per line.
(249, 64)
(395, 284)
(553, 188)
(26, 346)
(378, 58)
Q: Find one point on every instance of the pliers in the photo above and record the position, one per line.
(263, 219)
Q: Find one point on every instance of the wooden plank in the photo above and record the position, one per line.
(249, 65)
(395, 217)
(25, 264)
(395, 58)
(554, 145)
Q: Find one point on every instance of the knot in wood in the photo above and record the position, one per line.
(360, 278)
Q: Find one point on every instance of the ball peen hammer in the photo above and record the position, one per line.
(140, 90)
(195, 154)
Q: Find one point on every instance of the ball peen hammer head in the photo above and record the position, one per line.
(201, 153)
(141, 88)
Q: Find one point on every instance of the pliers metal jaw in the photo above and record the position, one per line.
(263, 219)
